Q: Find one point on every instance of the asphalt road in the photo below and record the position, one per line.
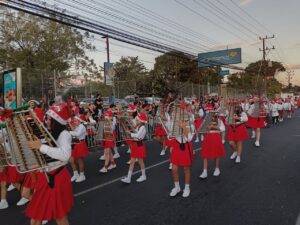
(263, 190)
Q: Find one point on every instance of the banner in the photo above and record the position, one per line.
(12, 89)
(219, 58)
(108, 73)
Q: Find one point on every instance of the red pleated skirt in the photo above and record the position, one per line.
(108, 144)
(80, 150)
(3, 175)
(160, 131)
(138, 152)
(168, 142)
(212, 146)
(197, 123)
(90, 132)
(30, 180)
(51, 203)
(255, 122)
(13, 175)
(181, 157)
(237, 133)
(281, 113)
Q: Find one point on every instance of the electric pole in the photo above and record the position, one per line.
(265, 51)
(289, 77)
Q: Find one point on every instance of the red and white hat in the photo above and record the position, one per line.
(142, 118)
(131, 108)
(80, 118)
(61, 113)
(108, 114)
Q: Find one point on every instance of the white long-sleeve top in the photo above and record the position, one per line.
(62, 152)
(274, 110)
(140, 133)
(90, 121)
(287, 106)
(201, 113)
(280, 107)
(79, 132)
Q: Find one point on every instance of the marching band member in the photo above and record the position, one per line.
(182, 155)
(255, 122)
(132, 114)
(160, 132)
(9, 174)
(288, 107)
(237, 133)
(109, 142)
(274, 111)
(115, 111)
(80, 149)
(138, 149)
(213, 147)
(280, 110)
(53, 200)
(198, 120)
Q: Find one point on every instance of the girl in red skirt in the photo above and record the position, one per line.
(138, 149)
(237, 133)
(53, 200)
(182, 155)
(109, 142)
(255, 121)
(80, 149)
(160, 132)
(212, 147)
(198, 120)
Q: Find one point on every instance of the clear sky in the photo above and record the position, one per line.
(201, 25)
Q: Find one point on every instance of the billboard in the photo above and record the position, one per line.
(12, 89)
(108, 73)
(219, 58)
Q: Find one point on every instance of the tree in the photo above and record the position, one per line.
(131, 76)
(172, 70)
(252, 81)
(41, 47)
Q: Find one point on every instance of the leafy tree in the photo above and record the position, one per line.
(41, 47)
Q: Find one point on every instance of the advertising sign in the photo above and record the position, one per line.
(218, 58)
(108, 73)
(12, 89)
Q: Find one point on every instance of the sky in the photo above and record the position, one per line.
(199, 26)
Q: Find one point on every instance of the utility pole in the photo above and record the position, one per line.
(265, 51)
(108, 57)
(289, 77)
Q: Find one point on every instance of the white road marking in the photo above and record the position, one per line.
(119, 178)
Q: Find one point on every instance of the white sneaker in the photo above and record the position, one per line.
(141, 179)
(223, 142)
(126, 180)
(112, 166)
(128, 151)
(233, 156)
(75, 177)
(44, 222)
(174, 191)
(203, 175)
(186, 193)
(238, 159)
(170, 166)
(257, 144)
(3, 204)
(128, 162)
(102, 157)
(22, 201)
(197, 140)
(202, 137)
(163, 152)
(11, 187)
(103, 170)
(217, 172)
(80, 178)
(116, 156)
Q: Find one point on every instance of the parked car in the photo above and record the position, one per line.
(121, 102)
(152, 100)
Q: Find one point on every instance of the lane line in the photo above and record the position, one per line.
(119, 178)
